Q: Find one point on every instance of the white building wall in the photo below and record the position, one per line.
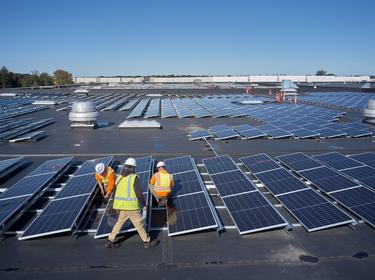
(222, 79)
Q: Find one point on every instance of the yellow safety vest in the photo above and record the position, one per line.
(163, 182)
(125, 197)
(104, 179)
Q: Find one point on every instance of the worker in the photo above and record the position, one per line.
(161, 183)
(105, 176)
(129, 201)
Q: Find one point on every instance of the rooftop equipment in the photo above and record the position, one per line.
(369, 112)
(83, 114)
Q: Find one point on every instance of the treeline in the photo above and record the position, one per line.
(10, 79)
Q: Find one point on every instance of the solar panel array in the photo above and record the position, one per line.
(153, 110)
(167, 109)
(189, 207)
(63, 212)
(311, 209)
(347, 100)
(139, 109)
(23, 129)
(109, 218)
(249, 209)
(279, 129)
(20, 194)
(339, 187)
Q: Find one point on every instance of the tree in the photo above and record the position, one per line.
(62, 77)
(4, 75)
(321, 73)
(35, 77)
(27, 81)
(45, 79)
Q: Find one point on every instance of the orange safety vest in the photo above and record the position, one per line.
(105, 179)
(163, 184)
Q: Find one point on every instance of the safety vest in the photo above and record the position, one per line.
(163, 182)
(104, 179)
(125, 197)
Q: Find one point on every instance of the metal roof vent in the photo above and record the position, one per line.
(83, 114)
(369, 112)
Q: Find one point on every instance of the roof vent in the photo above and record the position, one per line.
(369, 112)
(83, 114)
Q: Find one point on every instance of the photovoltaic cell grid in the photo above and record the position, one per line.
(248, 208)
(311, 209)
(358, 171)
(109, 218)
(189, 208)
(63, 212)
(366, 158)
(335, 185)
(17, 196)
(8, 165)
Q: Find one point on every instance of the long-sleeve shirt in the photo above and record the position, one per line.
(111, 180)
(137, 188)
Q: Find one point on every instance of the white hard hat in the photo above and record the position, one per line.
(160, 164)
(100, 167)
(131, 162)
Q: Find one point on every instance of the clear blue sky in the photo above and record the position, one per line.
(142, 37)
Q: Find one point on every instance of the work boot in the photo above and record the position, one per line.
(151, 243)
(111, 245)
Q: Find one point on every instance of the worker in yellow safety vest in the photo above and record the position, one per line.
(105, 176)
(129, 201)
(161, 183)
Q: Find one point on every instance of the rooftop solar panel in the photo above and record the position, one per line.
(179, 164)
(365, 175)
(201, 134)
(337, 161)
(329, 133)
(367, 158)
(89, 166)
(58, 216)
(251, 134)
(219, 164)
(189, 213)
(360, 201)
(8, 165)
(298, 161)
(259, 163)
(232, 182)
(251, 212)
(313, 211)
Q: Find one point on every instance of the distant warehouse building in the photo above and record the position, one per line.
(223, 79)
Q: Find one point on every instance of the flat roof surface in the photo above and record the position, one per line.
(338, 253)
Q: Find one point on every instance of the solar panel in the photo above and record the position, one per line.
(201, 134)
(366, 158)
(313, 211)
(242, 127)
(58, 216)
(63, 212)
(234, 186)
(278, 133)
(226, 134)
(355, 133)
(259, 163)
(189, 213)
(143, 164)
(9, 165)
(280, 181)
(232, 182)
(219, 164)
(29, 187)
(253, 133)
(360, 201)
(327, 179)
(364, 175)
(298, 161)
(304, 133)
(179, 164)
(337, 161)
(186, 183)
(190, 208)
(251, 212)
(329, 133)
